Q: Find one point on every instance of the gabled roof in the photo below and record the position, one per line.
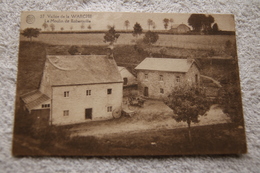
(80, 69)
(165, 64)
(33, 99)
(120, 68)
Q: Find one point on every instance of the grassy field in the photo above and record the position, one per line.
(216, 42)
(212, 139)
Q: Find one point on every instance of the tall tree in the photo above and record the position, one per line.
(215, 28)
(188, 103)
(154, 25)
(111, 36)
(171, 21)
(45, 25)
(201, 22)
(166, 23)
(31, 32)
(52, 26)
(127, 23)
(150, 38)
(149, 23)
(82, 26)
(137, 30)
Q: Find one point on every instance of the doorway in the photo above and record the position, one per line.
(88, 113)
(146, 94)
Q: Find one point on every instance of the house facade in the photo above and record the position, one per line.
(79, 88)
(157, 77)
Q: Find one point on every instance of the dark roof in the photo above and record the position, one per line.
(165, 64)
(33, 99)
(81, 69)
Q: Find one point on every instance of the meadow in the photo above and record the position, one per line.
(206, 42)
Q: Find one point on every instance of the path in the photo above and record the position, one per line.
(154, 116)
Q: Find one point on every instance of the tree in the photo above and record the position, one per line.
(166, 23)
(200, 22)
(154, 26)
(188, 103)
(71, 27)
(171, 21)
(127, 23)
(111, 36)
(150, 38)
(207, 23)
(150, 23)
(52, 26)
(89, 26)
(45, 25)
(215, 28)
(62, 28)
(82, 26)
(31, 32)
(137, 30)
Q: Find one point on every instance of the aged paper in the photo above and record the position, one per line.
(135, 84)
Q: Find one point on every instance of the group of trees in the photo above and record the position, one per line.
(201, 22)
(52, 27)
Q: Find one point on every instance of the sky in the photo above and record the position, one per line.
(100, 21)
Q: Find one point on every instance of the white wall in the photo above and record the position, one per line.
(77, 102)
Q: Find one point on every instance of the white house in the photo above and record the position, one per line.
(78, 88)
(157, 77)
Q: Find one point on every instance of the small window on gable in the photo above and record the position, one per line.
(66, 113)
(145, 76)
(109, 91)
(88, 92)
(178, 78)
(66, 93)
(161, 90)
(161, 78)
(109, 109)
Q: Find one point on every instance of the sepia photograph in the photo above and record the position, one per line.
(127, 84)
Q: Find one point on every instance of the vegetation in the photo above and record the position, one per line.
(138, 30)
(188, 103)
(166, 23)
(52, 26)
(111, 36)
(31, 32)
(45, 25)
(74, 50)
(201, 22)
(127, 23)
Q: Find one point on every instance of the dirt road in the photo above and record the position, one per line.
(155, 115)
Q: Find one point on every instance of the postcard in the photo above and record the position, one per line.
(127, 84)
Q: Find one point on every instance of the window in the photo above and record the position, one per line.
(88, 92)
(178, 78)
(66, 93)
(109, 91)
(161, 78)
(145, 76)
(125, 80)
(109, 109)
(161, 90)
(66, 113)
(46, 105)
